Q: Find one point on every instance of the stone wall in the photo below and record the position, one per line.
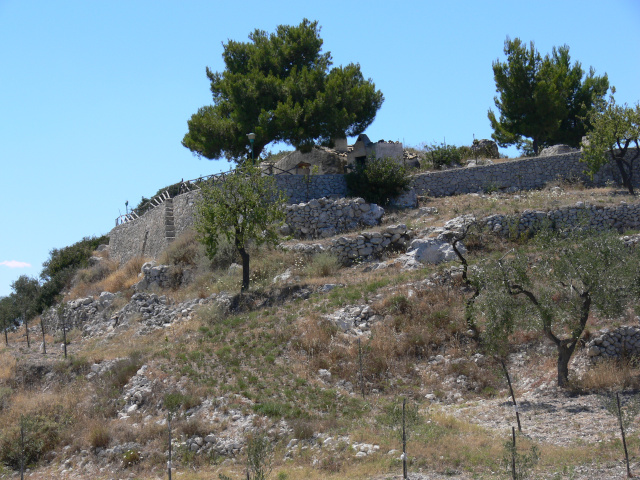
(142, 237)
(184, 207)
(524, 174)
(622, 342)
(620, 217)
(302, 188)
(324, 217)
(365, 246)
(145, 236)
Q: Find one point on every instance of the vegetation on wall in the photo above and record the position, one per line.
(615, 129)
(378, 180)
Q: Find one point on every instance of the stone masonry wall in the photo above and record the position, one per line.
(324, 217)
(142, 237)
(618, 343)
(145, 236)
(303, 188)
(524, 174)
(364, 247)
(621, 217)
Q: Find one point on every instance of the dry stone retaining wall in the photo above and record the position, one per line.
(362, 247)
(146, 236)
(325, 217)
(623, 342)
(621, 217)
(524, 174)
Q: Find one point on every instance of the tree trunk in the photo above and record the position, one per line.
(626, 175)
(245, 268)
(564, 356)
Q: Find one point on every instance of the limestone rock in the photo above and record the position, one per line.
(556, 150)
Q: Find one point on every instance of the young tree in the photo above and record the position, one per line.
(26, 293)
(8, 315)
(545, 99)
(556, 288)
(244, 207)
(615, 129)
(279, 87)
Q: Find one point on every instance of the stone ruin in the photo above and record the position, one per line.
(364, 148)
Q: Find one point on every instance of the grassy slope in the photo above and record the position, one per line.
(265, 361)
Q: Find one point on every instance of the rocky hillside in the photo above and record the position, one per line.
(307, 372)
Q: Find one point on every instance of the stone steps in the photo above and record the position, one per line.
(169, 223)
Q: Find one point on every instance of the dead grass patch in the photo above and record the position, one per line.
(7, 365)
(118, 280)
(610, 376)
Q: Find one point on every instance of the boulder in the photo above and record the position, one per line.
(485, 148)
(433, 250)
(408, 199)
(556, 150)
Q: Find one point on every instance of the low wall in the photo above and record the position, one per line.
(620, 217)
(623, 342)
(321, 218)
(523, 174)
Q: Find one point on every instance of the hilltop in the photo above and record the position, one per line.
(317, 357)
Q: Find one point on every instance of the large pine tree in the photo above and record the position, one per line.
(542, 101)
(279, 86)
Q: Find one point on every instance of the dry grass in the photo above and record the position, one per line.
(298, 341)
(610, 376)
(7, 365)
(119, 280)
(547, 198)
(99, 434)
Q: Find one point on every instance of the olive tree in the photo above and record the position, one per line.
(244, 206)
(555, 285)
(615, 129)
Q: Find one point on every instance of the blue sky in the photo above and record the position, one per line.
(95, 95)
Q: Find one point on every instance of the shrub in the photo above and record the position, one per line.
(442, 155)
(173, 401)
(302, 429)
(41, 434)
(5, 396)
(183, 251)
(130, 457)
(99, 436)
(323, 265)
(61, 266)
(193, 427)
(378, 180)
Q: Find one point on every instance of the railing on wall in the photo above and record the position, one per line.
(190, 185)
